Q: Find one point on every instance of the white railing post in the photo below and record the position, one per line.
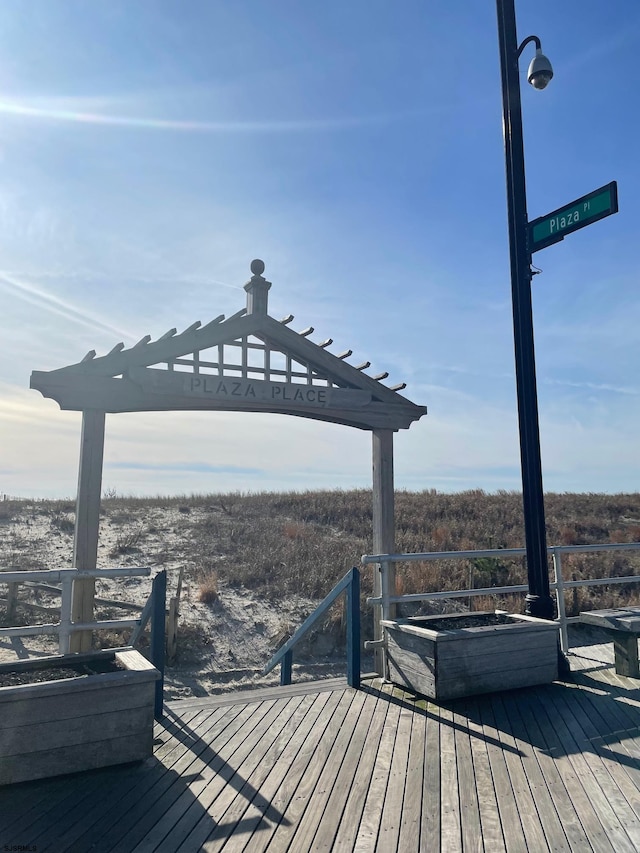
(386, 579)
(64, 633)
(562, 612)
(386, 592)
(384, 597)
(66, 627)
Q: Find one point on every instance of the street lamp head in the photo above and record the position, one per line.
(540, 71)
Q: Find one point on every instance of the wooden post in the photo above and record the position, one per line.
(172, 621)
(158, 623)
(85, 546)
(625, 648)
(285, 668)
(353, 629)
(12, 600)
(172, 630)
(383, 527)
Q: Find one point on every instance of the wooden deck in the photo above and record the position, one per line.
(324, 767)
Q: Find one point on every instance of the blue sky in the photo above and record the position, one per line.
(150, 150)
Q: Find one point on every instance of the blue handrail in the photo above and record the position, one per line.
(350, 584)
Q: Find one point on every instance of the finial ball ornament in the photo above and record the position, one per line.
(257, 266)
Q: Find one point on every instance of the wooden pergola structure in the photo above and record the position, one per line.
(249, 362)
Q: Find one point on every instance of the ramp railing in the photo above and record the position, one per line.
(349, 585)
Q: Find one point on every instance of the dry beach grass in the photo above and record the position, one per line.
(255, 565)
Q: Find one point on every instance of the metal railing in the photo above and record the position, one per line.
(154, 609)
(350, 585)
(65, 627)
(559, 585)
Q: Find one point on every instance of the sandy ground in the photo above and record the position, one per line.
(221, 646)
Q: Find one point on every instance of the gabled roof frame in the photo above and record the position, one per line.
(129, 380)
(125, 380)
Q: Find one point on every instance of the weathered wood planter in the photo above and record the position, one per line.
(63, 726)
(452, 662)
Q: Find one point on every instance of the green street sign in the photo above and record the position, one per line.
(550, 229)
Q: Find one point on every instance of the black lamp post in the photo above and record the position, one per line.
(538, 601)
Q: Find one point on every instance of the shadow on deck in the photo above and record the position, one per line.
(324, 767)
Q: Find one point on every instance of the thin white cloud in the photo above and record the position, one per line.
(600, 48)
(54, 305)
(40, 110)
(95, 275)
(594, 386)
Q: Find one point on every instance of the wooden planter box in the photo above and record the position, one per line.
(55, 727)
(457, 662)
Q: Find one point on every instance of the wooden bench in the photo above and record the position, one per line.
(623, 625)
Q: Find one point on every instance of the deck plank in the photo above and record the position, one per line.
(367, 835)
(254, 831)
(543, 811)
(536, 719)
(430, 820)
(507, 807)
(329, 768)
(264, 781)
(285, 788)
(599, 776)
(411, 814)
(351, 770)
(88, 794)
(241, 779)
(261, 694)
(617, 739)
(141, 788)
(143, 815)
(527, 731)
(354, 807)
(31, 802)
(394, 800)
(598, 819)
(491, 827)
(621, 702)
(261, 771)
(300, 791)
(614, 743)
(175, 815)
(526, 803)
(450, 824)
(469, 805)
(309, 825)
